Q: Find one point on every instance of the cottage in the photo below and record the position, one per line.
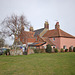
(57, 38)
(60, 38)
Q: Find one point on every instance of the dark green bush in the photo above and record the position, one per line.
(73, 49)
(66, 50)
(39, 50)
(42, 50)
(70, 49)
(7, 51)
(48, 48)
(36, 50)
(55, 50)
(25, 53)
(62, 50)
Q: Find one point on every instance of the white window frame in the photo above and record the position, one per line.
(64, 47)
(72, 47)
(53, 38)
(53, 46)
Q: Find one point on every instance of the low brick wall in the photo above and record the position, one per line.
(16, 52)
(30, 51)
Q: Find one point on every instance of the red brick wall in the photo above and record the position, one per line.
(67, 42)
(60, 42)
(57, 42)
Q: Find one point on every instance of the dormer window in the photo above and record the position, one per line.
(53, 39)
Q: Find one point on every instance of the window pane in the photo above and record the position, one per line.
(53, 39)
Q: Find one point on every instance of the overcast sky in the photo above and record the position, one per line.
(37, 11)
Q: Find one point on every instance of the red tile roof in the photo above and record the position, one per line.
(27, 36)
(37, 44)
(29, 33)
(57, 33)
(44, 39)
(48, 41)
(31, 40)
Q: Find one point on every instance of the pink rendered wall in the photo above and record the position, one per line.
(57, 42)
(67, 42)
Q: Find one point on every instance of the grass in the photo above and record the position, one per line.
(38, 64)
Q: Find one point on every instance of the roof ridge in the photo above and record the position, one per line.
(58, 33)
(67, 33)
(41, 38)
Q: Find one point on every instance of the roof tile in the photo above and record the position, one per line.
(57, 33)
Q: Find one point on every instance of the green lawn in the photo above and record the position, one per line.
(38, 64)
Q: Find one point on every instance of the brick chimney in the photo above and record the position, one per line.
(57, 26)
(46, 25)
(31, 28)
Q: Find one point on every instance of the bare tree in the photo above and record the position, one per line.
(2, 42)
(13, 26)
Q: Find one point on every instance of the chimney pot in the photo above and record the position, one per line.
(46, 25)
(57, 26)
